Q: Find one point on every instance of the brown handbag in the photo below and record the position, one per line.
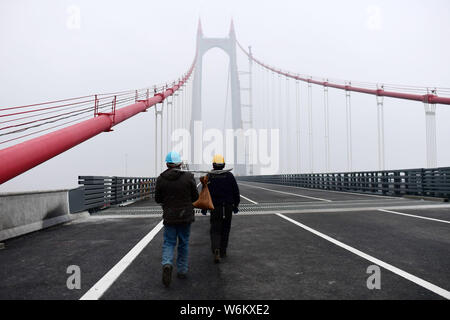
(204, 199)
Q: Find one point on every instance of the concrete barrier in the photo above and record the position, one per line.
(21, 213)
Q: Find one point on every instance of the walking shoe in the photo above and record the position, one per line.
(181, 275)
(167, 274)
(216, 256)
(223, 253)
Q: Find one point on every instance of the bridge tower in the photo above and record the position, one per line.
(228, 45)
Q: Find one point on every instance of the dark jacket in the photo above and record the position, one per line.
(224, 189)
(176, 191)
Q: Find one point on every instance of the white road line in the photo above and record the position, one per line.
(333, 191)
(127, 216)
(414, 216)
(425, 284)
(289, 193)
(108, 279)
(128, 203)
(254, 202)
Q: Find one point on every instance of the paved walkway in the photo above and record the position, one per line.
(287, 243)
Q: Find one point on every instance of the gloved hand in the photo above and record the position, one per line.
(235, 210)
(204, 211)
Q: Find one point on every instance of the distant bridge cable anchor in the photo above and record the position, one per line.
(147, 97)
(96, 106)
(111, 115)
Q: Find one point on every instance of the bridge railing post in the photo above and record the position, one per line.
(397, 183)
(420, 182)
(382, 177)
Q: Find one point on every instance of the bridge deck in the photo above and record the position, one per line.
(318, 248)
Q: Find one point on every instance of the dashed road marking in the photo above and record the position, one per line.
(289, 193)
(414, 216)
(254, 202)
(334, 191)
(423, 283)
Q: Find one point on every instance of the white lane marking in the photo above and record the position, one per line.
(254, 202)
(414, 216)
(128, 203)
(126, 216)
(425, 284)
(289, 193)
(108, 279)
(333, 191)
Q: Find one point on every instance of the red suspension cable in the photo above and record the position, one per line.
(21, 157)
(427, 98)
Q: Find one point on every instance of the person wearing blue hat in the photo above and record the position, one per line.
(176, 191)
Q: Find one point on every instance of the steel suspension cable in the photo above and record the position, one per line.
(28, 154)
(368, 88)
(298, 126)
(226, 98)
(310, 129)
(59, 117)
(287, 118)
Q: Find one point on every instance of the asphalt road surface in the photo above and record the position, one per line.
(286, 243)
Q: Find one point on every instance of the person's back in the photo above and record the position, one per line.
(225, 195)
(223, 189)
(176, 191)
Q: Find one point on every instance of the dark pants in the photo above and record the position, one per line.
(220, 226)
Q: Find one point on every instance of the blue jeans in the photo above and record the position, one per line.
(171, 234)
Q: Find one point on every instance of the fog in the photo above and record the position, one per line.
(118, 45)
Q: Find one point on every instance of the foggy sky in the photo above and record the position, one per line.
(123, 45)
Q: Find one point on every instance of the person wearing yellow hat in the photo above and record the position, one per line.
(225, 195)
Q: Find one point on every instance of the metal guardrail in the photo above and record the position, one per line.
(414, 182)
(102, 192)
